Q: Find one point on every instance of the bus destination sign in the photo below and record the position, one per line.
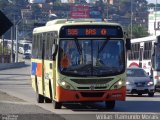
(91, 31)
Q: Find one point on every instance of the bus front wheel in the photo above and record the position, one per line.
(40, 98)
(109, 104)
(57, 105)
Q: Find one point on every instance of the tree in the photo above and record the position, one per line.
(100, 6)
(137, 31)
(3, 3)
(151, 5)
(6, 51)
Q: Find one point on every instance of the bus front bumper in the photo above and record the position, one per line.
(64, 95)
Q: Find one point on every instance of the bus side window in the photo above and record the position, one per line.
(40, 46)
(33, 46)
(51, 42)
(47, 37)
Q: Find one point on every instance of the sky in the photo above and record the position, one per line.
(153, 1)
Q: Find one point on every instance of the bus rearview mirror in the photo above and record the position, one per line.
(128, 43)
(155, 43)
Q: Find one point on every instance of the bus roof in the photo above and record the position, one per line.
(58, 23)
(25, 41)
(144, 39)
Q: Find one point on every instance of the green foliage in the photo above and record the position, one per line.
(3, 3)
(121, 8)
(151, 5)
(137, 31)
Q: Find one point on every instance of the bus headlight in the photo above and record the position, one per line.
(66, 85)
(63, 83)
(120, 83)
(117, 85)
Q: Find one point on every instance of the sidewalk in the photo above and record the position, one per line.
(13, 108)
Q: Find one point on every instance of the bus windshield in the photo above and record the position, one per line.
(157, 56)
(26, 46)
(98, 57)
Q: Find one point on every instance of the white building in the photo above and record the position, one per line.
(36, 1)
(90, 1)
(105, 1)
(67, 1)
(154, 23)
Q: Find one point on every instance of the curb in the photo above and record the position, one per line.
(4, 66)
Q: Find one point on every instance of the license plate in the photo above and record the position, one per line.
(140, 88)
(139, 84)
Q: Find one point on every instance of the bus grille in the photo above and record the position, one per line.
(92, 94)
(92, 81)
(90, 88)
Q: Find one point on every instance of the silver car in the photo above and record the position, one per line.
(26, 56)
(139, 82)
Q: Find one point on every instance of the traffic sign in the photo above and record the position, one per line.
(5, 23)
(79, 11)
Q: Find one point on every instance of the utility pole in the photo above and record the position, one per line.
(16, 43)
(13, 38)
(155, 16)
(3, 49)
(131, 17)
(107, 3)
(17, 39)
(12, 44)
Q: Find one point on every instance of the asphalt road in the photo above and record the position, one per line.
(16, 82)
(16, 105)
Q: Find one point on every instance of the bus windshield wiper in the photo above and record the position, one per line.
(104, 44)
(101, 48)
(78, 46)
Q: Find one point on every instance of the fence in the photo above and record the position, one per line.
(5, 58)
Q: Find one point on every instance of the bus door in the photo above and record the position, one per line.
(49, 64)
(37, 64)
(155, 60)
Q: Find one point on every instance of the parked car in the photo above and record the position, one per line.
(139, 82)
(26, 56)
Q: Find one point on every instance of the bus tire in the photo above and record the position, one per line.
(47, 100)
(57, 105)
(40, 98)
(110, 104)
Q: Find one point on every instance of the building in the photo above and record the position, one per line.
(36, 1)
(67, 1)
(90, 1)
(105, 1)
(154, 23)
